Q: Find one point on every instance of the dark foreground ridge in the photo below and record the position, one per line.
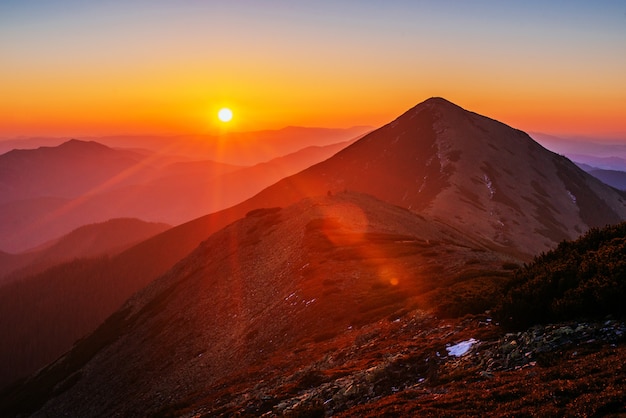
(408, 361)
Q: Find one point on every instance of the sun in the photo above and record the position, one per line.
(225, 114)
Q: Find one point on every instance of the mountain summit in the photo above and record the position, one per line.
(470, 172)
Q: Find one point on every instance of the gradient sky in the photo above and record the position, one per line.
(86, 67)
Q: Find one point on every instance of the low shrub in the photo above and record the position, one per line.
(585, 278)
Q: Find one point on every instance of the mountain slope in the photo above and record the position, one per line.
(106, 238)
(471, 172)
(326, 265)
(330, 315)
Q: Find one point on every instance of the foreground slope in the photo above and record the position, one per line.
(326, 266)
(334, 315)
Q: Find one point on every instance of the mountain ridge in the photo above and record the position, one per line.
(505, 197)
(107, 238)
(329, 264)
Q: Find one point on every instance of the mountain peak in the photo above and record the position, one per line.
(438, 102)
(471, 172)
(76, 144)
(437, 107)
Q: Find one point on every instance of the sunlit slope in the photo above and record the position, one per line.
(265, 286)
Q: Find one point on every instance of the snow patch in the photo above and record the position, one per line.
(461, 348)
(442, 148)
(423, 184)
(571, 196)
(489, 184)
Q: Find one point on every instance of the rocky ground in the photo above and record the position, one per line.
(418, 364)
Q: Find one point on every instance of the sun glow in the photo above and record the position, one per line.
(225, 114)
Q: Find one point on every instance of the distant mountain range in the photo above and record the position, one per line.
(598, 150)
(236, 148)
(613, 178)
(603, 160)
(425, 216)
(47, 192)
(107, 238)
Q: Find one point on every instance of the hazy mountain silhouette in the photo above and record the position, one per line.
(613, 178)
(457, 198)
(602, 153)
(107, 238)
(117, 276)
(53, 171)
(240, 148)
(603, 163)
(50, 191)
(194, 191)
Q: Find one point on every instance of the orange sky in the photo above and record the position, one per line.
(73, 68)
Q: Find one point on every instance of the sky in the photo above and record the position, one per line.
(86, 67)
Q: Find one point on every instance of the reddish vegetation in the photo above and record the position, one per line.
(578, 381)
(401, 368)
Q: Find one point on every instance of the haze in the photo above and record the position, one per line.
(80, 68)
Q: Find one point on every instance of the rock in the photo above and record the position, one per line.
(508, 347)
(486, 374)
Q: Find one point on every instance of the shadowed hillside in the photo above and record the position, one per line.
(581, 279)
(107, 238)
